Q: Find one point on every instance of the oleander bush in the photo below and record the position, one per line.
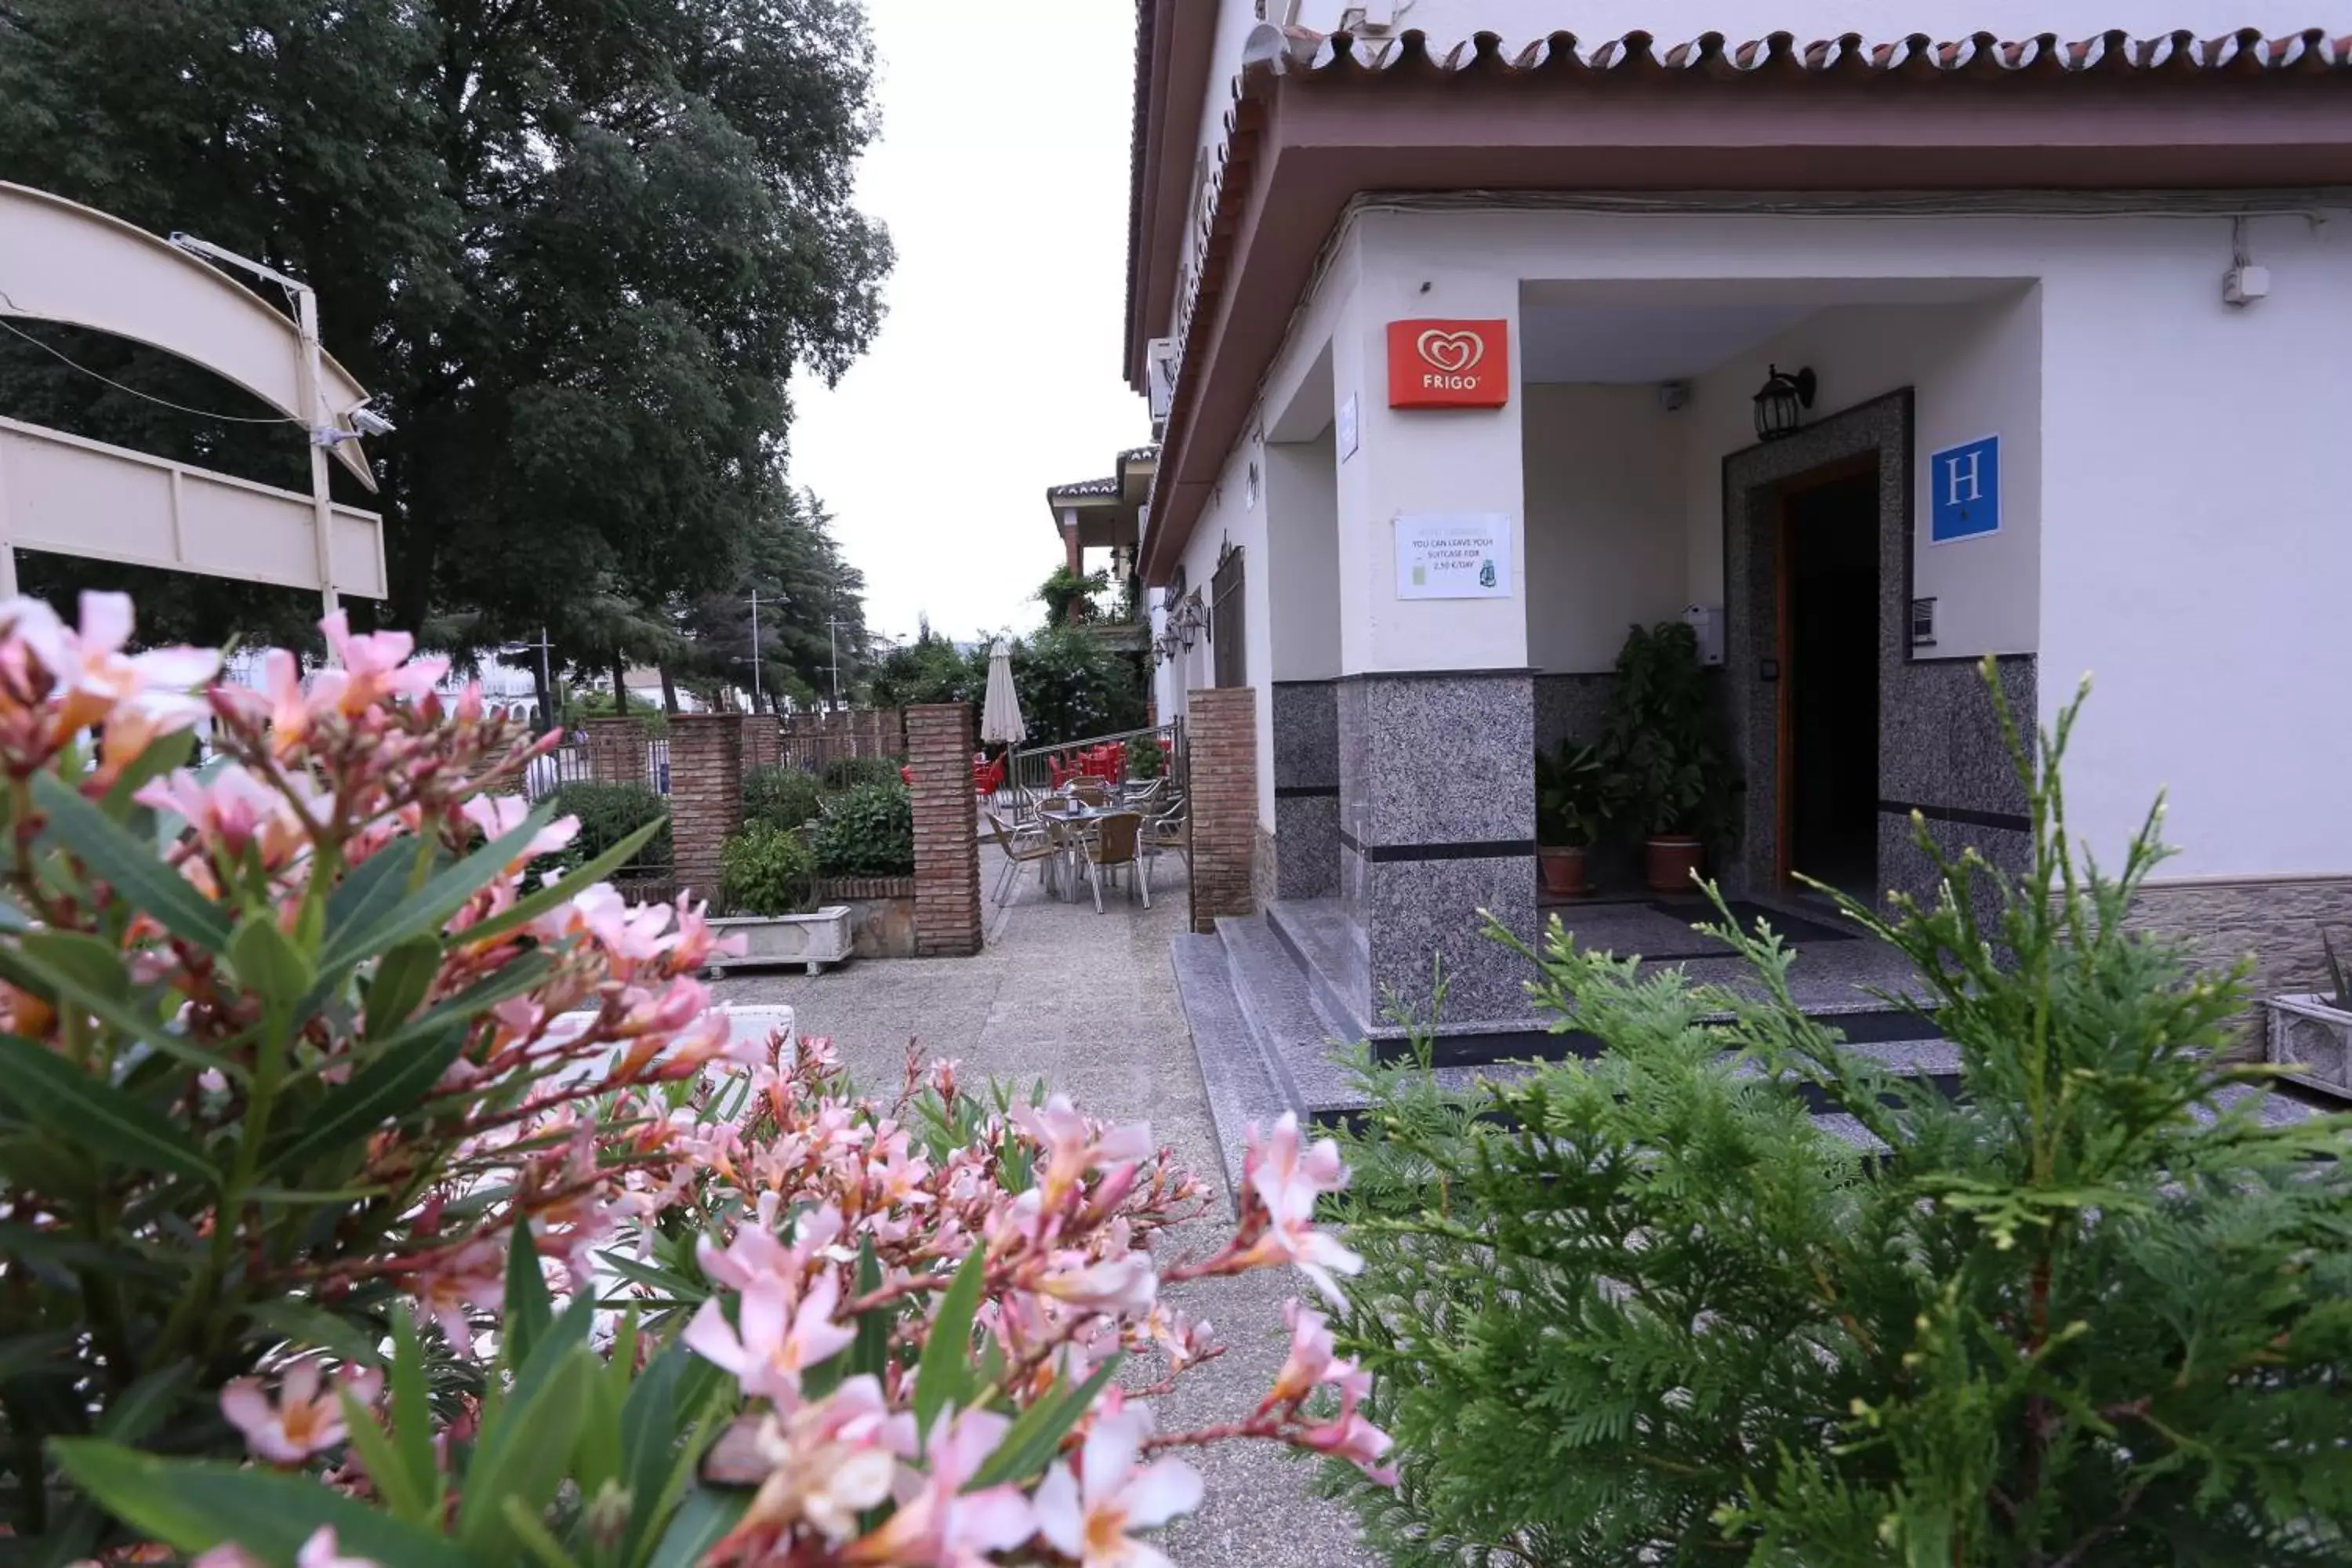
(365, 1207)
(868, 832)
(1646, 1309)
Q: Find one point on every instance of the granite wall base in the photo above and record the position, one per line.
(1436, 823)
(1305, 791)
(1306, 827)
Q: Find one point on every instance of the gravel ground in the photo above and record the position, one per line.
(1088, 1003)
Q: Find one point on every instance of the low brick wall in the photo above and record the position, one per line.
(2277, 920)
(881, 913)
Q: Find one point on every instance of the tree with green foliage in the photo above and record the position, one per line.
(2093, 1308)
(577, 251)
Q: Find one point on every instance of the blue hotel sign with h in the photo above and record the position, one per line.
(1963, 483)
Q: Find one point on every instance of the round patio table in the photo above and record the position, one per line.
(1080, 813)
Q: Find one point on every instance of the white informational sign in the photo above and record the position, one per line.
(1454, 555)
(1345, 436)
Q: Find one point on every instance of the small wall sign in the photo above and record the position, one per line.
(1345, 436)
(1454, 555)
(1449, 364)
(1964, 491)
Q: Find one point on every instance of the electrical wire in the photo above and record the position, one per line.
(148, 397)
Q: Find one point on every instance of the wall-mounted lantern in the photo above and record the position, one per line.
(1782, 402)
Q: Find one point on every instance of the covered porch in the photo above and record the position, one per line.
(1619, 477)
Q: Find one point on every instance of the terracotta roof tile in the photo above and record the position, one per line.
(1302, 51)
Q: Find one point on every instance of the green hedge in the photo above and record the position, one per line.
(868, 832)
(781, 797)
(609, 813)
(844, 774)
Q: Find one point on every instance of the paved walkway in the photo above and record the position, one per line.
(1088, 1003)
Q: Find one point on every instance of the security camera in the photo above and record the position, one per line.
(368, 422)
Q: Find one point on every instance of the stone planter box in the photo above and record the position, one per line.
(881, 913)
(2315, 1039)
(815, 940)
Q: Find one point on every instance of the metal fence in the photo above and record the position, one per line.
(1030, 772)
(568, 763)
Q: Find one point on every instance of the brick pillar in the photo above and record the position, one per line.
(1220, 738)
(763, 742)
(705, 792)
(1072, 549)
(617, 750)
(947, 838)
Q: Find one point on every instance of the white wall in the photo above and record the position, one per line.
(1975, 370)
(1229, 519)
(1519, 22)
(1606, 540)
(2199, 541)
(1303, 558)
(1415, 461)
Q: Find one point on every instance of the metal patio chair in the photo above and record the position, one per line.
(1117, 841)
(1022, 848)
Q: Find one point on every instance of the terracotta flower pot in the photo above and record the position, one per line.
(1563, 871)
(1669, 859)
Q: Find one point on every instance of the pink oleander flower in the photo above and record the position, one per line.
(1311, 1360)
(1088, 1514)
(1074, 1146)
(1353, 1438)
(779, 1339)
(822, 1465)
(1281, 1178)
(95, 678)
(321, 1550)
(305, 1421)
(231, 810)
(474, 1276)
(1127, 1283)
(499, 815)
(938, 1521)
(370, 669)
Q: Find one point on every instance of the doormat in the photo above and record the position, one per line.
(1795, 929)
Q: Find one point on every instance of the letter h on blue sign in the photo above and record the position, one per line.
(1964, 491)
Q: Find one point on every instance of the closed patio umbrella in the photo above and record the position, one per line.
(999, 715)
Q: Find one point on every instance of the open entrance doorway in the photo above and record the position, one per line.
(1829, 580)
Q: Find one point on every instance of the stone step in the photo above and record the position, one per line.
(1267, 1043)
(1233, 1067)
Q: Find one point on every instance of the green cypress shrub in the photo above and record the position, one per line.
(2092, 1310)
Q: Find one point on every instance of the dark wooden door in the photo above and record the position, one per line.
(1228, 622)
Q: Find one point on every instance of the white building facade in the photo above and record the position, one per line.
(2041, 428)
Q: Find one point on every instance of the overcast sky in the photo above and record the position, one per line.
(1002, 172)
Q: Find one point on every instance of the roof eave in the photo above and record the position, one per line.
(1300, 146)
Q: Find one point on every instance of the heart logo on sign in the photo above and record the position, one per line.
(1453, 353)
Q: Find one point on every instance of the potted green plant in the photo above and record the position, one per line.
(766, 879)
(1569, 810)
(1667, 772)
(2311, 1036)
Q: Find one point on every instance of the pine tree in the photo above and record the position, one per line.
(2091, 1309)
